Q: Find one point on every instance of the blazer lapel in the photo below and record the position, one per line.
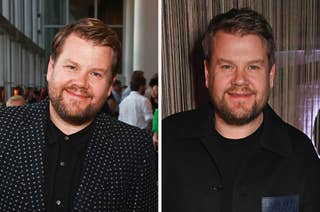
(32, 143)
(94, 168)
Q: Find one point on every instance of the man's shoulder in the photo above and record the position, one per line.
(181, 117)
(186, 124)
(301, 143)
(134, 98)
(118, 129)
(294, 139)
(21, 112)
(121, 136)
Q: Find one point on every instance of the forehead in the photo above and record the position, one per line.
(238, 45)
(84, 52)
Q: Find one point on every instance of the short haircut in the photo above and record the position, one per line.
(90, 29)
(243, 22)
(117, 82)
(16, 98)
(153, 81)
(137, 80)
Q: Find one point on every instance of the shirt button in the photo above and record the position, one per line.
(215, 188)
(66, 138)
(58, 202)
(62, 163)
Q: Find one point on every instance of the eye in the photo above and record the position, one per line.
(226, 67)
(253, 67)
(70, 67)
(96, 74)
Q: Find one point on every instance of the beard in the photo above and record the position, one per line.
(70, 112)
(241, 115)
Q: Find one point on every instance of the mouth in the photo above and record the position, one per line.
(77, 93)
(240, 95)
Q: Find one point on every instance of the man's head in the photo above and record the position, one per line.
(138, 82)
(239, 64)
(241, 22)
(116, 86)
(92, 30)
(154, 87)
(16, 101)
(81, 70)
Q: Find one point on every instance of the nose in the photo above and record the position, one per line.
(82, 80)
(240, 77)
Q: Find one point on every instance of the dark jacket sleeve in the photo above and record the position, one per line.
(143, 192)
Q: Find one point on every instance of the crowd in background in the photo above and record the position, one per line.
(27, 95)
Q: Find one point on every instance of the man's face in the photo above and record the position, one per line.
(142, 89)
(154, 91)
(117, 88)
(79, 80)
(238, 77)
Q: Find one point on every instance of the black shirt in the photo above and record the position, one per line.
(64, 157)
(233, 152)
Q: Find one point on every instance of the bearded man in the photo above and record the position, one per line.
(62, 154)
(236, 154)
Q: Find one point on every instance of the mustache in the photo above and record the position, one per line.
(244, 90)
(79, 90)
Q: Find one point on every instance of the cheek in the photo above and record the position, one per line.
(261, 84)
(100, 91)
(59, 79)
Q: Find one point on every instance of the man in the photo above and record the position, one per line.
(116, 93)
(61, 154)
(127, 89)
(154, 92)
(136, 109)
(16, 101)
(236, 154)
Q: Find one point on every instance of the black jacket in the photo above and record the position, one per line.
(282, 174)
(119, 170)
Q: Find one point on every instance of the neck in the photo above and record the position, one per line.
(64, 126)
(235, 131)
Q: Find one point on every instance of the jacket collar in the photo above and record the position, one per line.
(274, 136)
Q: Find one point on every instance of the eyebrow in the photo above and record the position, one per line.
(222, 60)
(70, 61)
(77, 64)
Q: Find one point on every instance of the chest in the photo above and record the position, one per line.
(196, 175)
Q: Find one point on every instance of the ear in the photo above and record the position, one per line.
(50, 68)
(110, 86)
(272, 74)
(206, 72)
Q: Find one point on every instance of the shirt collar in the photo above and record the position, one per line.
(78, 140)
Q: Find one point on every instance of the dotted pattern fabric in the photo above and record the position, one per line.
(119, 170)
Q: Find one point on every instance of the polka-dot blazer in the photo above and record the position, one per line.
(119, 171)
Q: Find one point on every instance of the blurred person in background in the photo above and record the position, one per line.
(136, 109)
(116, 93)
(29, 95)
(16, 101)
(154, 92)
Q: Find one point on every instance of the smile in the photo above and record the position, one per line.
(77, 94)
(240, 95)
